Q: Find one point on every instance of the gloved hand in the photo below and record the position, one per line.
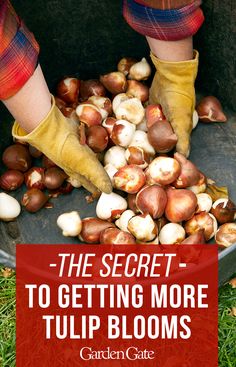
(57, 138)
(173, 89)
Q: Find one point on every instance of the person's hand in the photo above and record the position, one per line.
(57, 138)
(173, 89)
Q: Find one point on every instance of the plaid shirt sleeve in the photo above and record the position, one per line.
(18, 51)
(165, 4)
(167, 20)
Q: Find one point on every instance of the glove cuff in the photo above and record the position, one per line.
(186, 63)
(20, 134)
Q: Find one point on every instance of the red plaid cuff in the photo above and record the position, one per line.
(18, 52)
(166, 25)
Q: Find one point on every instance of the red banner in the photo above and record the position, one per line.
(136, 305)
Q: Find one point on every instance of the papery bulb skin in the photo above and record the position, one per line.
(152, 200)
(125, 64)
(154, 113)
(34, 199)
(164, 170)
(181, 205)
(162, 137)
(143, 227)
(17, 156)
(129, 178)
(91, 87)
(189, 174)
(115, 82)
(68, 90)
(203, 220)
(92, 228)
(209, 110)
(197, 238)
(89, 114)
(11, 180)
(224, 210)
(114, 236)
(138, 90)
(226, 235)
(97, 138)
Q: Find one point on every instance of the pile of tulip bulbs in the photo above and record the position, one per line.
(158, 195)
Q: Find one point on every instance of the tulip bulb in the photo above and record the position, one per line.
(171, 234)
(181, 205)
(68, 90)
(89, 114)
(110, 206)
(162, 137)
(129, 178)
(34, 199)
(109, 123)
(138, 90)
(122, 133)
(224, 210)
(115, 82)
(195, 119)
(140, 70)
(209, 109)
(143, 227)
(140, 139)
(111, 170)
(70, 224)
(92, 228)
(9, 207)
(54, 178)
(197, 238)
(132, 203)
(122, 222)
(115, 236)
(91, 87)
(152, 200)
(125, 64)
(164, 170)
(131, 110)
(103, 103)
(17, 156)
(34, 177)
(189, 174)
(226, 235)
(121, 97)
(97, 138)
(137, 155)
(203, 220)
(200, 186)
(154, 113)
(115, 156)
(11, 180)
(204, 202)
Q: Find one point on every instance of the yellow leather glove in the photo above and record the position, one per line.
(57, 138)
(173, 89)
